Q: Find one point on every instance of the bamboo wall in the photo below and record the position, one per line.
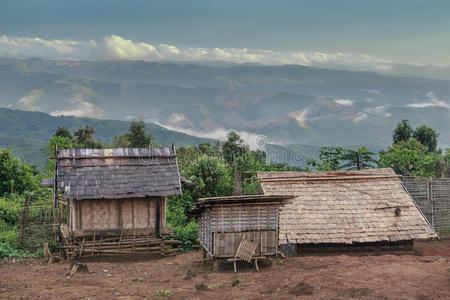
(221, 228)
(129, 215)
(433, 197)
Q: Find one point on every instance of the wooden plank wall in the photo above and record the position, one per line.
(116, 214)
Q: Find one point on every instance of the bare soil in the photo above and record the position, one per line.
(422, 275)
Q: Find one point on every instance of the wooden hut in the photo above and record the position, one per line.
(332, 211)
(223, 222)
(116, 198)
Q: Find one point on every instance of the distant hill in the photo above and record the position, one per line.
(26, 133)
(288, 105)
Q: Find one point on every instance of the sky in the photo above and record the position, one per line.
(369, 33)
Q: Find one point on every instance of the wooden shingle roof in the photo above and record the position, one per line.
(200, 205)
(345, 207)
(117, 173)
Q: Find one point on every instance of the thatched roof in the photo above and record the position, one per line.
(118, 173)
(345, 207)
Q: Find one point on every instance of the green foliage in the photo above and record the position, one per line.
(415, 155)
(9, 229)
(9, 212)
(162, 293)
(427, 136)
(63, 132)
(402, 160)
(187, 234)
(15, 176)
(329, 159)
(84, 135)
(234, 147)
(211, 176)
(359, 159)
(402, 132)
(136, 137)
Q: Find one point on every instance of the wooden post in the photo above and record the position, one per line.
(55, 179)
(237, 190)
(158, 217)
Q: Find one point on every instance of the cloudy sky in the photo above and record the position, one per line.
(317, 32)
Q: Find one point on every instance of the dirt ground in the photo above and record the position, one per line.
(424, 275)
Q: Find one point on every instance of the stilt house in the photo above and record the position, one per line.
(223, 222)
(116, 193)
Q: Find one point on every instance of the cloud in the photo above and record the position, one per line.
(25, 47)
(375, 92)
(29, 101)
(344, 102)
(300, 116)
(432, 101)
(252, 139)
(380, 110)
(360, 117)
(117, 47)
(80, 108)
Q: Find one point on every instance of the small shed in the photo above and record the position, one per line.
(366, 207)
(116, 194)
(223, 221)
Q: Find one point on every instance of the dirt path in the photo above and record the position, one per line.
(423, 276)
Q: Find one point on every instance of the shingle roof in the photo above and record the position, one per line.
(118, 173)
(345, 207)
(199, 206)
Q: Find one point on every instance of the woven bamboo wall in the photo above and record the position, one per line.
(433, 197)
(221, 228)
(440, 195)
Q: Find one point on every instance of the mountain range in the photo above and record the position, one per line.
(27, 133)
(291, 106)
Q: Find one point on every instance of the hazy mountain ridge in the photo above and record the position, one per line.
(290, 104)
(27, 133)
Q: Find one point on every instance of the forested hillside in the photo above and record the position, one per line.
(27, 133)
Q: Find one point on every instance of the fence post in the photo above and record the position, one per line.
(430, 197)
(23, 217)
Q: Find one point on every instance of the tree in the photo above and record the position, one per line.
(359, 159)
(329, 159)
(234, 147)
(84, 138)
(63, 132)
(402, 132)
(137, 136)
(211, 177)
(85, 134)
(15, 177)
(427, 136)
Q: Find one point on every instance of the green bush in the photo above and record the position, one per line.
(9, 211)
(187, 234)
